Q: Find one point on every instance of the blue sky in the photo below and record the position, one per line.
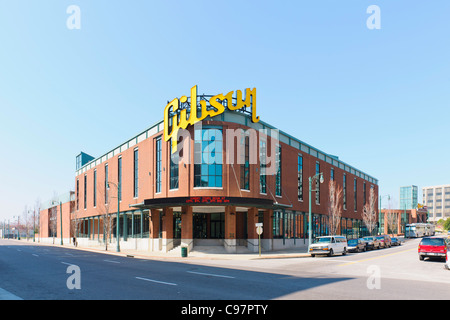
(379, 99)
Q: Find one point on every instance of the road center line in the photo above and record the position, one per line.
(378, 257)
(162, 282)
(112, 261)
(211, 274)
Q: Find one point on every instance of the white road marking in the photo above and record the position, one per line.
(112, 261)
(162, 282)
(211, 274)
(6, 295)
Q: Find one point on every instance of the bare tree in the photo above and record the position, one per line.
(369, 213)
(335, 206)
(104, 208)
(36, 217)
(53, 215)
(75, 224)
(392, 219)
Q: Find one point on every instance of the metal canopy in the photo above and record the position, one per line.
(158, 203)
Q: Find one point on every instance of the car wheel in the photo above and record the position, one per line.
(330, 254)
(344, 252)
(313, 255)
(421, 258)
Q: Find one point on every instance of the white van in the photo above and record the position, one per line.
(329, 245)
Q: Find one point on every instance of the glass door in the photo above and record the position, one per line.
(199, 225)
(217, 225)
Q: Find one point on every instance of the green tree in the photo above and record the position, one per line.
(447, 224)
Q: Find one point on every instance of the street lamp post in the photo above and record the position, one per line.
(320, 177)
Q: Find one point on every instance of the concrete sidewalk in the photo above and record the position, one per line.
(204, 252)
(201, 252)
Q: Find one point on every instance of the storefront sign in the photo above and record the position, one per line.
(175, 113)
(207, 200)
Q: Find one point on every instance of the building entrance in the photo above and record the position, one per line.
(199, 225)
(209, 225)
(217, 225)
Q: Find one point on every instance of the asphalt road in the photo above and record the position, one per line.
(36, 272)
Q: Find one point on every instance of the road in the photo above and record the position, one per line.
(36, 272)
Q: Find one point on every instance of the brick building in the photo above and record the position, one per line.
(227, 173)
(393, 221)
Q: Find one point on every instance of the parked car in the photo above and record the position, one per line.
(372, 242)
(433, 247)
(395, 242)
(329, 245)
(385, 240)
(356, 245)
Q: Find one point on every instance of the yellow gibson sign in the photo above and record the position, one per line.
(216, 107)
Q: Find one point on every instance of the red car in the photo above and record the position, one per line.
(432, 247)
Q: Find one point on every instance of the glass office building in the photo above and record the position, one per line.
(408, 197)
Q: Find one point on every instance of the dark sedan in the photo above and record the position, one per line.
(356, 245)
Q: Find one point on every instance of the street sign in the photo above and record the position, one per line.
(259, 230)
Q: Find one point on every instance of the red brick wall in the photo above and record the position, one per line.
(186, 180)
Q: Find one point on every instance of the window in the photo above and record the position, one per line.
(158, 162)
(136, 171)
(364, 192)
(95, 188)
(245, 164)
(277, 225)
(119, 177)
(106, 183)
(174, 168)
(300, 177)
(78, 162)
(78, 193)
(344, 191)
(317, 183)
(355, 194)
(262, 167)
(208, 158)
(332, 174)
(85, 191)
(278, 174)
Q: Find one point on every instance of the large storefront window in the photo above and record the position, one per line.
(278, 175)
(208, 158)
(174, 169)
(158, 161)
(262, 167)
(290, 225)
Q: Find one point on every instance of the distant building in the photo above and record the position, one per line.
(393, 221)
(50, 217)
(437, 200)
(408, 197)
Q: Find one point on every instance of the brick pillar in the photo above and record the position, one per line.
(230, 242)
(267, 235)
(154, 230)
(187, 233)
(252, 219)
(167, 229)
